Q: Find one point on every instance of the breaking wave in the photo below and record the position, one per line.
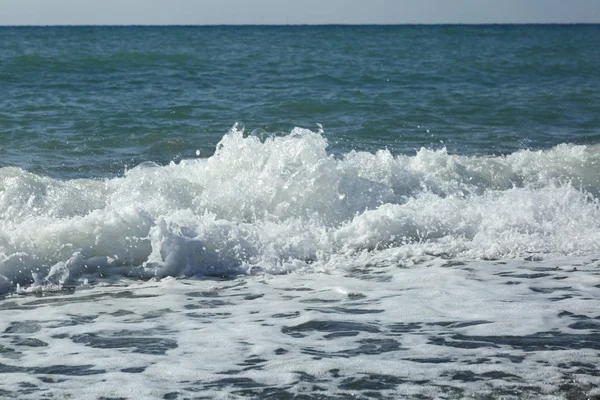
(273, 204)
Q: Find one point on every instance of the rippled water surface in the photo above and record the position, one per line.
(405, 212)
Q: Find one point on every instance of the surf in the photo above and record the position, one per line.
(275, 203)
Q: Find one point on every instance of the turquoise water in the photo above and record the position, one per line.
(90, 101)
(306, 212)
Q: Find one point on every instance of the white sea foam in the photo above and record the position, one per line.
(283, 203)
(478, 329)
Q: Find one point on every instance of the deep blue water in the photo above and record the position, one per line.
(91, 101)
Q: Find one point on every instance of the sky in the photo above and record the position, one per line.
(216, 12)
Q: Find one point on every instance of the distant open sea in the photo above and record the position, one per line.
(300, 212)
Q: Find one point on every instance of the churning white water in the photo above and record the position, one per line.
(283, 204)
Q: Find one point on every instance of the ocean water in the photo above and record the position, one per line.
(305, 212)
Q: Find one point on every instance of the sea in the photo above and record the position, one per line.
(300, 212)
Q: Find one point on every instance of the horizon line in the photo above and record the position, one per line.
(299, 24)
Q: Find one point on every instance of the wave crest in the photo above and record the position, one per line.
(274, 203)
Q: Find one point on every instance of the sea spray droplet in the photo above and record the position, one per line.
(238, 127)
(262, 135)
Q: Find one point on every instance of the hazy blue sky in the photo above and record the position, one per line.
(76, 12)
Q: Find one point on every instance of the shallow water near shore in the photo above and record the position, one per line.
(440, 329)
